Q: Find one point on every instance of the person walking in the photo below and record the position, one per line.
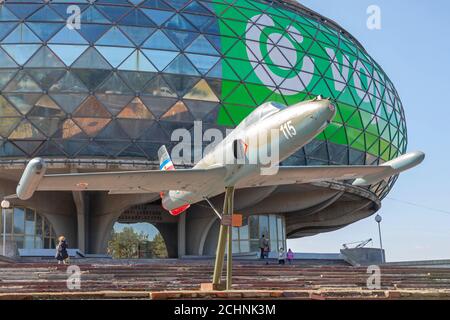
(290, 256)
(262, 247)
(61, 251)
(281, 256)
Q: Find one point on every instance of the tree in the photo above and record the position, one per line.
(159, 249)
(128, 244)
(124, 244)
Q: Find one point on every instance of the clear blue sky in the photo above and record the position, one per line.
(413, 48)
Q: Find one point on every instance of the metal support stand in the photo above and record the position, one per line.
(225, 232)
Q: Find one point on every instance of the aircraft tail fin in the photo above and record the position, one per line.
(166, 164)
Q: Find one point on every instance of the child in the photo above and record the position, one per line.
(290, 256)
(281, 256)
(61, 251)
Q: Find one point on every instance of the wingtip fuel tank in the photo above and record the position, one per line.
(395, 166)
(32, 175)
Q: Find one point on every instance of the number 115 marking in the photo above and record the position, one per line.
(288, 130)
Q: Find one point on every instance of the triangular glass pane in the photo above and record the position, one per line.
(159, 87)
(153, 132)
(136, 2)
(114, 13)
(151, 149)
(178, 112)
(23, 102)
(92, 32)
(21, 34)
(113, 147)
(202, 63)
(195, 7)
(68, 53)
(178, 4)
(22, 83)
(46, 77)
(135, 110)
(201, 109)
(69, 130)
(137, 34)
(47, 125)
(47, 108)
(92, 126)
(7, 124)
(6, 109)
(91, 107)
(112, 131)
(160, 58)
(6, 27)
(201, 22)
(159, 41)
(136, 18)
(181, 84)
(158, 16)
(91, 59)
(92, 15)
(69, 83)
(45, 14)
(178, 22)
(137, 62)
(181, 65)
(114, 85)
(7, 149)
(44, 58)
(91, 77)
(201, 45)
(25, 130)
(201, 91)
(157, 4)
(21, 52)
(50, 149)
(182, 38)
(114, 55)
(157, 105)
(68, 101)
(136, 80)
(23, 11)
(68, 36)
(28, 146)
(114, 37)
(132, 151)
(45, 30)
(5, 77)
(6, 61)
(6, 14)
(114, 102)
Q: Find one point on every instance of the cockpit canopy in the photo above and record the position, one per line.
(263, 111)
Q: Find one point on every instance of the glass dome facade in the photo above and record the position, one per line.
(114, 78)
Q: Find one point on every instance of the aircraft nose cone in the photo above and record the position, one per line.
(325, 109)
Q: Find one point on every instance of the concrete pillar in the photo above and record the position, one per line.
(82, 205)
(182, 235)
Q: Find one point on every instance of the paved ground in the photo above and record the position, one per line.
(171, 279)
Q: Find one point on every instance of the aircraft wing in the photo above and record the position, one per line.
(307, 174)
(148, 181)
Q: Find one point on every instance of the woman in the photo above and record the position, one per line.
(61, 251)
(290, 256)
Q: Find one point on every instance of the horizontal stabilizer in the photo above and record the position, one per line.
(398, 165)
(122, 182)
(308, 174)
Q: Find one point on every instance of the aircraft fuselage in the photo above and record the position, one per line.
(260, 142)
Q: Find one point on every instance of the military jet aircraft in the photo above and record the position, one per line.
(296, 125)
